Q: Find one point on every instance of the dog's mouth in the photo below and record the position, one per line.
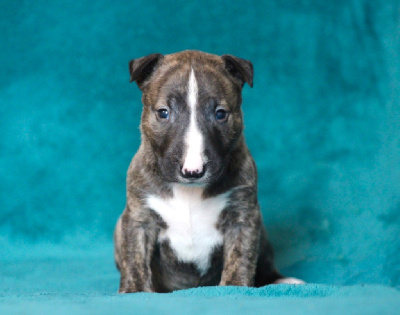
(209, 177)
(172, 172)
(193, 181)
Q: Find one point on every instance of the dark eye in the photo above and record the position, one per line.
(163, 113)
(221, 114)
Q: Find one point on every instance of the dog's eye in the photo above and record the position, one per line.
(221, 114)
(163, 113)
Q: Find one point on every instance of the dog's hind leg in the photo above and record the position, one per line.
(266, 273)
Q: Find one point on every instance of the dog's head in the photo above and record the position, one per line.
(192, 115)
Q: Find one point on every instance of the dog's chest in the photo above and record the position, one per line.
(191, 223)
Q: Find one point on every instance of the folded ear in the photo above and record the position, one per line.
(141, 68)
(240, 69)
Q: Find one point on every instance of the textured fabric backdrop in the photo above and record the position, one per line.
(322, 123)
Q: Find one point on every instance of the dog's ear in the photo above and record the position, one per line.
(240, 69)
(141, 68)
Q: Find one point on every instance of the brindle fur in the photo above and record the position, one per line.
(245, 258)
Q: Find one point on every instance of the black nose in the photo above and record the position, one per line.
(189, 174)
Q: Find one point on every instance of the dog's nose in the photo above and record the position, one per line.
(192, 173)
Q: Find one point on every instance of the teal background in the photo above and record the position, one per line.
(322, 123)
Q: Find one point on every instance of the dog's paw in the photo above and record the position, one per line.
(289, 281)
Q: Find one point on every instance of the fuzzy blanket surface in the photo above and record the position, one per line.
(322, 123)
(66, 280)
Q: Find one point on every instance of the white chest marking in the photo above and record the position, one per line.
(191, 223)
(194, 139)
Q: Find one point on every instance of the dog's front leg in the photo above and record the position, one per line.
(241, 241)
(138, 240)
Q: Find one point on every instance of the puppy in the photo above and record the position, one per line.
(192, 216)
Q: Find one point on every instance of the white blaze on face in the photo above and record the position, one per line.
(193, 161)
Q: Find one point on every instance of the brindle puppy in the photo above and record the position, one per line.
(192, 216)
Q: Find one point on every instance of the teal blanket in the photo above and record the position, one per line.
(322, 123)
(66, 280)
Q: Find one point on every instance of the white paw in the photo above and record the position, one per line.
(289, 281)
